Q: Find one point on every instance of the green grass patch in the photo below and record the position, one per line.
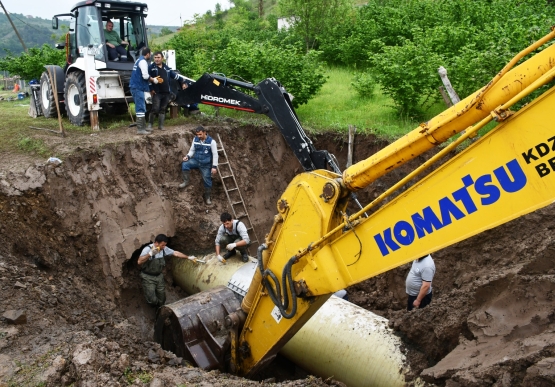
(32, 145)
(143, 376)
(338, 105)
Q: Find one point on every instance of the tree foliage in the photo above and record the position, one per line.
(403, 42)
(31, 65)
(313, 19)
(245, 46)
(165, 31)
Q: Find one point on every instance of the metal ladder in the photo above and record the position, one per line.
(231, 188)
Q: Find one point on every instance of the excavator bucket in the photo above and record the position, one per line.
(195, 328)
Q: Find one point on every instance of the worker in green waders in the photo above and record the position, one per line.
(152, 262)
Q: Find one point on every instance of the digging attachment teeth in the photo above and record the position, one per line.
(195, 328)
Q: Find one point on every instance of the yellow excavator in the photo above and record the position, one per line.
(315, 247)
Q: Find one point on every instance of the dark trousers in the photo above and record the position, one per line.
(154, 289)
(425, 301)
(226, 239)
(113, 52)
(160, 103)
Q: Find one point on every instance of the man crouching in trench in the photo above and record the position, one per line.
(152, 263)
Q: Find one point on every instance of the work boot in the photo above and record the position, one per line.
(161, 118)
(141, 126)
(229, 254)
(244, 256)
(150, 122)
(186, 175)
(206, 195)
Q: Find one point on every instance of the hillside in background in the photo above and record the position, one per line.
(36, 31)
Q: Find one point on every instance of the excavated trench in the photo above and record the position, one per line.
(72, 304)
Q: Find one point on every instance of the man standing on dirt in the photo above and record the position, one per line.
(161, 92)
(232, 234)
(419, 282)
(203, 156)
(139, 86)
(152, 263)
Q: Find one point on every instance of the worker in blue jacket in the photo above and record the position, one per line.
(139, 85)
(161, 91)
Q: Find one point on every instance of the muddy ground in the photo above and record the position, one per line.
(72, 311)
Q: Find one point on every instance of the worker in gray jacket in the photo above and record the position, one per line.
(419, 282)
(233, 235)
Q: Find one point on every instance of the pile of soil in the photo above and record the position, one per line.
(72, 310)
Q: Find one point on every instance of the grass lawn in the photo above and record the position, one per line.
(337, 106)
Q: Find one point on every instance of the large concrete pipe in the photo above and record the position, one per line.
(341, 340)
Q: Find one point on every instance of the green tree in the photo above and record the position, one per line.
(313, 19)
(165, 31)
(301, 74)
(30, 66)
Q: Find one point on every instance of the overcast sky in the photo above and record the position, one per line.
(161, 12)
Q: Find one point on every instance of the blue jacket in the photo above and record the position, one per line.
(137, 81)
(203, 151)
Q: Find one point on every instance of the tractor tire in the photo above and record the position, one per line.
(75, 96)
(47, 100)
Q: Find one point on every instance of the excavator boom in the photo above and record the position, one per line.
(314, 248)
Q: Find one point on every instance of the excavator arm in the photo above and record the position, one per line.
(314, 248)
(271, 99)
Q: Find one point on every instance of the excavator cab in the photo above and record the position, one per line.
(88, 25)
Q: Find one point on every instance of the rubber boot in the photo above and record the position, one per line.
(206, 196)
(186, 175)
(141, 126)
(229, 254)
(161, 118)
(244, 255)
(150, 122)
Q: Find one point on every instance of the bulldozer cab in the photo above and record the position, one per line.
(88, 27)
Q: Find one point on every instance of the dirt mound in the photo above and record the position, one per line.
(72, 306)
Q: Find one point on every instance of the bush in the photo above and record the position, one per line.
(301, 74)
(31, 65)
(404, 42)
(364, 84)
